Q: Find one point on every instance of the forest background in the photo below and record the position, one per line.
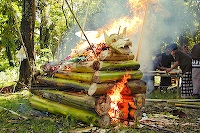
(46, 29)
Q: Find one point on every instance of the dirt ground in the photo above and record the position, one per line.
(158, 117)
(170, 118)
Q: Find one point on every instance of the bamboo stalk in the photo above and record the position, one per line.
(113, 76)
(56, 108)
(119, 65)
(72, 99)
(84, 77)
(136, 86)
(67, 84)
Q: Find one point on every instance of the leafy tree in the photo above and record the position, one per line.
(8, 32)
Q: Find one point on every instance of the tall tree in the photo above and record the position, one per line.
(27, 31)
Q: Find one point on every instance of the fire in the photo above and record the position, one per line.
(133, 23)
(116, 97)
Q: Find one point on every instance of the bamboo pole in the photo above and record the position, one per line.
(142, 33)
(56, 108)
(81, 30)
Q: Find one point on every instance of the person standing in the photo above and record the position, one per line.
(196, 69)
(166, 62)
(185, 62)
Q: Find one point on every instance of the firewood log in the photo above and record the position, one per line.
(57, 108)
(67, 98)
(139, 100)
(102, 105)
(119, 65)
(110, 76)
(136, 86)
(105, 121)
(135, 114)
(108, 55)
(67, 84)
(84, 77)
(84, 66)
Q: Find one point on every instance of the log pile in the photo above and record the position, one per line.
(85, 88)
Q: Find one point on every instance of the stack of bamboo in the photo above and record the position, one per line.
(83, 91)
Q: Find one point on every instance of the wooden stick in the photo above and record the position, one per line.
(13, 112)
(187, 106)
(142, 32)
(82, 30)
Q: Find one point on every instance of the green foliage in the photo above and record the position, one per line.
(10, 75)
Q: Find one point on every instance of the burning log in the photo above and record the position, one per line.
(57, 108)
(77, 100)
(119, 65)
(84, 77)
(63, 83)
(112, 76)
(135, 114)
(136, 86)
(108, 55)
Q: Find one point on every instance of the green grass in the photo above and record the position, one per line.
(37, 122)
(162, 94)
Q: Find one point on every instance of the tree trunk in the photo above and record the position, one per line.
(9, 55)
(112, 76)
(57, 108)
(27, 30)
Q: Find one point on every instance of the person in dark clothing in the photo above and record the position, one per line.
(195, 53)
(185, 62)
(166, 62)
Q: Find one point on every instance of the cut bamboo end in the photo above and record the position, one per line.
(92, 89)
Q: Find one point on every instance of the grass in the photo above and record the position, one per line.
(37, 122)
(14, 107)
(157, 94)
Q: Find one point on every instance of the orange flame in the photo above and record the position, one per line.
(115, 96)
(133, 23)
